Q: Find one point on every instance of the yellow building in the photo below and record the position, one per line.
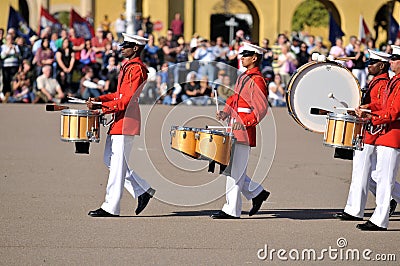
(268, 17)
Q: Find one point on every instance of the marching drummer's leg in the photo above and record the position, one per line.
(387, 166)
(118, 167)
(135, 185)
(358, 193)
(251, 189)
(235, 182)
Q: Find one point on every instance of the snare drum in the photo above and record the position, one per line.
(183, 140)
(214, 145)
(80, 125)
(311, 86)
(344, 131)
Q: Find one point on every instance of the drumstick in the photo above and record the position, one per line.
(351, 109)
(344, 58)
(217, 127)
(216, 99)
(54, 107)
(330, 95)
(318, 111)
(76, 100)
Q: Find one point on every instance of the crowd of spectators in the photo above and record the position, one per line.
(55, 65)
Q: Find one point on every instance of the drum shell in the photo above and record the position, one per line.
(344, 131)
(183, 140)
(80, 125)
(215, 146)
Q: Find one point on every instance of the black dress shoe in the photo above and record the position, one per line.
(143, 200)
(101, 213)
(223, 215)
(393, 205)
(257, 201)
(368, 226)
(346, 217)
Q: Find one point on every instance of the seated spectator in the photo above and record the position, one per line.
(65, 59)
(44, 56)
(225, 90)
(302, 57)
(88, 57)
(99, 44)
(276, 92)
(205, 92)
(10, 55)
(191, 88)
(111, 75)
(162, 81)
(24, 78)
(89, 86)
(48, 89)
(151, 52)
(25, 50)
(21, 86)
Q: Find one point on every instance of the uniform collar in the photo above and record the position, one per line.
(253, 70)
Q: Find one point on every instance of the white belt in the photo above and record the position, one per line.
(244, 110)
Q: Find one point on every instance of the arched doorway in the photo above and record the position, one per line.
(312, 18)
(244, 14)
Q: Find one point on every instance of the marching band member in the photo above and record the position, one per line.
(387, 147)
(245, 109)
(126, 125)
(364, 162)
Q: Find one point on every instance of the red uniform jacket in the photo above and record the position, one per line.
(388, 115)
(248, 105)
(124, 103)
(376, 87)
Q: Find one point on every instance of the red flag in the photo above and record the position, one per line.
(82, 27)
(363, 33)
(47, 20)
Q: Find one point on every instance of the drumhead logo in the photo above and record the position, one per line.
(178, 146)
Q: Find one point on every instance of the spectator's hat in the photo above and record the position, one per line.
(131, 40)
(395, 52)
(376, 57)
(251, 49)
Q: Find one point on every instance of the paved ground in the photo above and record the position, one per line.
(46, 191)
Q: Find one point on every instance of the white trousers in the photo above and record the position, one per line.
(239, 183)
(363, 175)
(116, 156)
(387, 165)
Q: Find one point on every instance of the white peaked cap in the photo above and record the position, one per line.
(395, 50)
(381, 56)
(135, 39)
(253, 48)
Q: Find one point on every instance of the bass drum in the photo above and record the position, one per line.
(323, 85)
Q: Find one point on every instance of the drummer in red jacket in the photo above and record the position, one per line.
(244, 110)
(388, 146)
(124, 106)
(364, 162)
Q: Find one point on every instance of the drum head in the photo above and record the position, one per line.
(323, 85)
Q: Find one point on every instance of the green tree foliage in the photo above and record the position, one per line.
(311, 13)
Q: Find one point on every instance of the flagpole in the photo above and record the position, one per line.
(130, 13)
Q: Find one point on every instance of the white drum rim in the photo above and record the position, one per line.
(294, 81)
(80, 112)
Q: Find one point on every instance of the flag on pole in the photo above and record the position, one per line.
(16, 22)
(393, 29)
(47, 20)
(334, 30)
(82, 27)
(363, 33)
